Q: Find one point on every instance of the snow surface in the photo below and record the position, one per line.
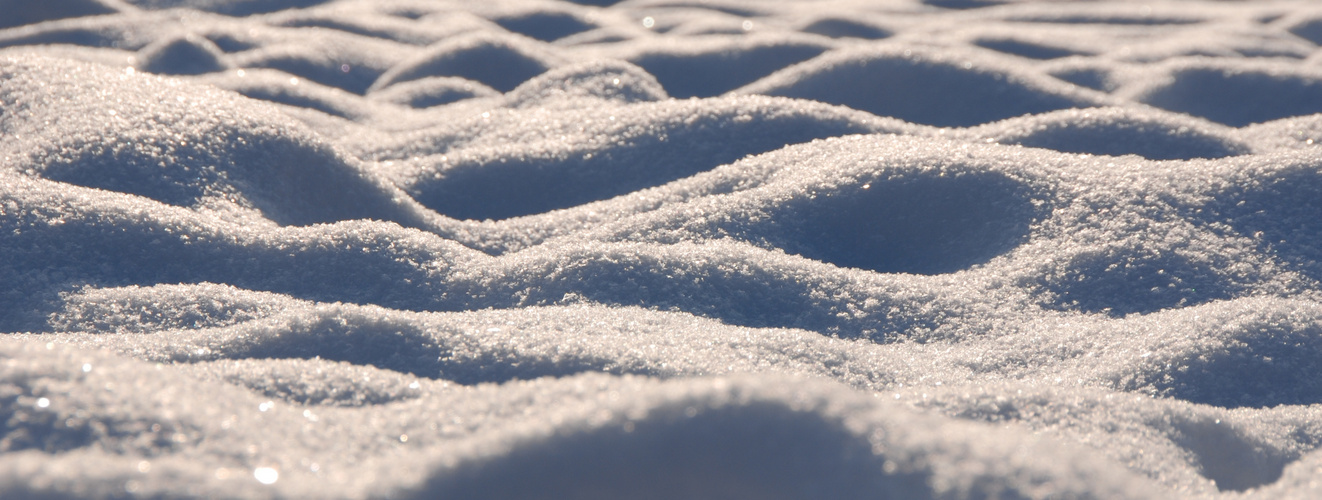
(660, 249)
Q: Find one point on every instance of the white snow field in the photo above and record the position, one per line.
(660, 249)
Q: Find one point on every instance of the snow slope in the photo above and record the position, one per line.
(660, 249)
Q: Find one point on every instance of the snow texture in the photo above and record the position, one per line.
(941, 249)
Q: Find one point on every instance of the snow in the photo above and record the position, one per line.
(660, 248)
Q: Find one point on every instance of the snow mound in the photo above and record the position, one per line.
(922, 85)
(1243, 92)
(501, 62)
(181, 146)
(1117, 132)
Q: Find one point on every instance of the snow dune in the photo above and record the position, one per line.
(660, 248)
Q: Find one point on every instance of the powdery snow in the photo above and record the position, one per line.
(660, 249)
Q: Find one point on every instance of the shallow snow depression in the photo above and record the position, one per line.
(660, 249)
